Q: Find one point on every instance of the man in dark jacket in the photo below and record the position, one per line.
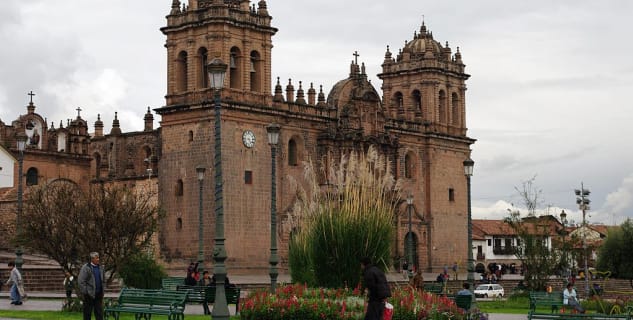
(91, 286)
(378, 289)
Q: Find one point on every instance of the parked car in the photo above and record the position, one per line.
(489, 291)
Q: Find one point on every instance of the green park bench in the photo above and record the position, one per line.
(436, 288)
(592, 316)
(170, 283)
(206, 295)
(144, 303)
(552, 300)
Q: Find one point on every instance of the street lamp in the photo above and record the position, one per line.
(410, 237)
(273, 140)
(21, 141)
(469, 164)
(217, 71)
(200, 171)
(583, 203)
(563, 221)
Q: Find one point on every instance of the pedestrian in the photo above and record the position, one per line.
(570, 299)
(206, 279)
(91, 286)
(418, 281)
(15, 281)
(465, 291)
(405, 270)
(376, 284)
(69, 285)
(192, 274)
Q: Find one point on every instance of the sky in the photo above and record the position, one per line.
(547, 98)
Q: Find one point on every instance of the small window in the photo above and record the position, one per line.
(451, 194)
(179, 188)
(409, 165)
(489, 242)
(190, 136)
(179, 224)
(31, 177)
(248, 177)
(292, 152)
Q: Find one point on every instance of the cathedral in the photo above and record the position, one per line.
(418, 120)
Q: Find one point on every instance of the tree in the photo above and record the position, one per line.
(538, 259)
(614, 254)
(350, 219)
(66, 223)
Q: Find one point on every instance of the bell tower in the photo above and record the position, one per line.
(232, 30)
(425, 83)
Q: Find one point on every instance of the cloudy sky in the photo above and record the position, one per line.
(547, 97)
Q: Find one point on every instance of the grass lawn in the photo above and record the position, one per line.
(513, 305)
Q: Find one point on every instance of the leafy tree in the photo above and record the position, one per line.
(66, 223)
(614, 254)
(351, 219)
(538, 259)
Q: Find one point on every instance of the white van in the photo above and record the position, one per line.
(489, 291)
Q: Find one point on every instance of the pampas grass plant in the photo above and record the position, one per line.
(348, 218)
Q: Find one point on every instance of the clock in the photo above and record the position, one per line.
(248, 138)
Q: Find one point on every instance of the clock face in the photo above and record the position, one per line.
(248, 138)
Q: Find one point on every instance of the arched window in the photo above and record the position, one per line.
(256, 71)
(179, 188)
(181, 72)
(398, 102)
(455, 108)
(61, 142)
(31, 177)
(235, 66)
(292, 152)
(203, 77)
(442, 107)
(190, 136)
(409, 165)
(417, 101)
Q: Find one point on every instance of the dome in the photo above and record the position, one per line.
(421, 43)
(351, 89)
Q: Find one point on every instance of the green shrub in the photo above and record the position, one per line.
(141, 271)
(350, 219)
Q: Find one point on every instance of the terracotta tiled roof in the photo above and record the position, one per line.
(492, 228)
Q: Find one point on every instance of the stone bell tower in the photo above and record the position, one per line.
(234, 31)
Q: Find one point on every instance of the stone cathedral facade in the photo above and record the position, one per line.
(418, 121)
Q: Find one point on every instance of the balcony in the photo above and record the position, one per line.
(481, 256)
(504, 250)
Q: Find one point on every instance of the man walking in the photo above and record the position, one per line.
(376, 283)
(91, 282)
(15, 280)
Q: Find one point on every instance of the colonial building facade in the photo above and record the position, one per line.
(418, 121)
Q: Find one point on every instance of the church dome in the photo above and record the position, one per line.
(421, 43)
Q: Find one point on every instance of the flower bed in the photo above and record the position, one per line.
(300, 302)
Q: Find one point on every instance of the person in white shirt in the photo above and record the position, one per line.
(15, 280)
(570, 299)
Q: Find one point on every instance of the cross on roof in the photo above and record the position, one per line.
(31, 94)
(78, 111)
(356, 55)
